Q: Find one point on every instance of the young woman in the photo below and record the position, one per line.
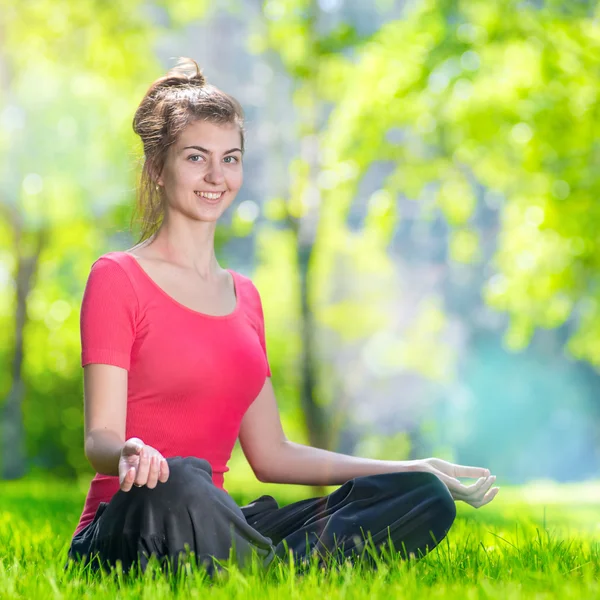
(176, 369)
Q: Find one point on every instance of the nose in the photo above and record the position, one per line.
(214, 172)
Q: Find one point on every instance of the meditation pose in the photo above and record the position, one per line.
(176, 370)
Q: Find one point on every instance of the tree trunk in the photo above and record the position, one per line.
(304, 229)
(316, 419)
(13, 430)
(306, 233)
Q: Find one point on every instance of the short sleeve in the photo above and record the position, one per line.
(108, 316)
(261, 327)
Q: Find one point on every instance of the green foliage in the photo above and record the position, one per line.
(74, 76)
(469, 102)
(500, 97)
(509, 104)
(361, 81)
(280, 299)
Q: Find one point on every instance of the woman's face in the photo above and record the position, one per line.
(203, 170)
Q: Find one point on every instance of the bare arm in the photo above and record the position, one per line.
(274, 459)
(105, 402)
(105, 410)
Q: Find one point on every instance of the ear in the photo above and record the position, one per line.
(159, 179)
(156, 178)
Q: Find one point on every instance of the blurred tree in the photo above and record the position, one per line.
(291, 29)
(471, 103)
(494, 103)
(328, 254)
(71, 78)
(466, 102)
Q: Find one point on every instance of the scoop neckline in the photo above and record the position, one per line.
(183, 306)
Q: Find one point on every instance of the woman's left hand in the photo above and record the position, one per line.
(478, 494)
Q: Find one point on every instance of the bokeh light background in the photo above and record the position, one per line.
(420, 213)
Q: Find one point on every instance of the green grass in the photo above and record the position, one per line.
(534, 542)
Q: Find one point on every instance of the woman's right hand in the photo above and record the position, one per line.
(140, 465)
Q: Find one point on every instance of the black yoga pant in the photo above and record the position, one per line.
(189, 513)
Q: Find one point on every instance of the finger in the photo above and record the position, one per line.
(153, 472)
(454, 485)
(142, 471)
(490, 496)
(164, 471)
(479, 502)
(133, 447)
(479, 488)
(128, 479)
(473, 498)
(473, 493)
(473, 489)
(472, 472)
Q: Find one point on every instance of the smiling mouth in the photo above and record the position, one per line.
(209, 195)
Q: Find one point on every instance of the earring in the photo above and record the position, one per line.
(156, 188)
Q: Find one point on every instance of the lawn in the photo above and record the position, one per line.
(538, 542)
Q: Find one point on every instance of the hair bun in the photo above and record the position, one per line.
(186, 72)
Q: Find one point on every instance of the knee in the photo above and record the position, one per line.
(145, 512)
(189, 477)
(182, 470)
(443, 500)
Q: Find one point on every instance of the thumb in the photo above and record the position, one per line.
(133, 446)
(451, 483)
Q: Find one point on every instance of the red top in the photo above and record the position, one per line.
(191, 376)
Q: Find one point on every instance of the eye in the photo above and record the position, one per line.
(193, 156)
(231, 160)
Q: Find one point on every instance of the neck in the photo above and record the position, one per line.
(190, 245)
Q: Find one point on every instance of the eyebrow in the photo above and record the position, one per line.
(201, 149)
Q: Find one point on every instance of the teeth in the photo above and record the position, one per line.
(209, 195)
